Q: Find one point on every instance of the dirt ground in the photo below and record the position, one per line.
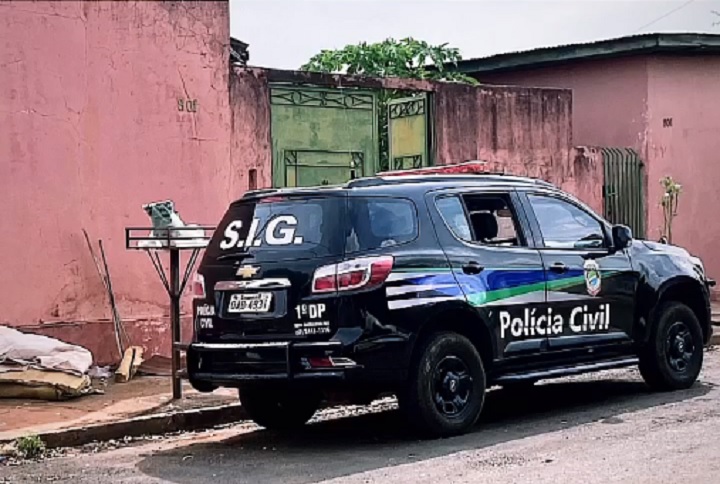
(601, 428)
(141, 395)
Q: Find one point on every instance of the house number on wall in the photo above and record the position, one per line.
(187, 105)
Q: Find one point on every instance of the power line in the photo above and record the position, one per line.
(676, 9)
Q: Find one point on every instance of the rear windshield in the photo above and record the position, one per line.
(290, 228)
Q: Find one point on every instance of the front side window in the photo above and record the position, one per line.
(564, 225)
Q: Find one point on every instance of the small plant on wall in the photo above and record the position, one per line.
(669, 202)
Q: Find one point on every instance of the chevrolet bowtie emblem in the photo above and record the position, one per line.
(246, 271)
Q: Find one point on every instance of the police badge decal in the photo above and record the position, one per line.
(592, 277)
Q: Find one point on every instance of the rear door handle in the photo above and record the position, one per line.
(472, 268)
(558, 267)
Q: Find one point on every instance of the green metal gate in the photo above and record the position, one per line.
(409, 132)
(623, 189)
(322, 136)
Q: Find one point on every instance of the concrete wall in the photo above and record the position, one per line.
(90, 131)
(521, 131)
(251, 145)
(687, 91)
(609, 97)
(622, 102)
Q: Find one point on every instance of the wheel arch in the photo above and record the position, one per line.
(688, 291)
(464, 320)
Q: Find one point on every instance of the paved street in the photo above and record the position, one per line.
(591, 429)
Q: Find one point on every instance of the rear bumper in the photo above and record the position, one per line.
(230, 364)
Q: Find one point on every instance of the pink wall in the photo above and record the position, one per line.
(95, 126)
(91, 131)
(686, 89)
(251, 146)
(622, 103)
(522, 131)
(609, 97)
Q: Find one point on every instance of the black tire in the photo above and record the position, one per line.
(446, 390)
(673, 357)
(279, 408)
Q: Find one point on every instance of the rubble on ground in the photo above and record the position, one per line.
(39, 367)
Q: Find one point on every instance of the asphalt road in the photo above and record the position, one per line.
(593, 429)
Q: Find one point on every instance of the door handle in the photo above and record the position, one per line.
(472, 268)
(559, 267)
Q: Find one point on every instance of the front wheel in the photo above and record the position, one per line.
(674, 355)
(279, 408)
(446, 391)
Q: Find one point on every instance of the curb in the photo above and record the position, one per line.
(715, 338)
(189, 420)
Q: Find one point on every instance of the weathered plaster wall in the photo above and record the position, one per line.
(623, 102)
(609, 97)
(251, 146)
(686, 91)
(522, 131)
(90, 131)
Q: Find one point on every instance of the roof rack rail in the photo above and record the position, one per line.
(260, 191)
(460, 172)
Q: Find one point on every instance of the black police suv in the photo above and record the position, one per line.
(434, 288)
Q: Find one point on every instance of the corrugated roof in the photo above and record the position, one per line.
(685, 43)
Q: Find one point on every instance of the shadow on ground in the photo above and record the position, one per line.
(357, 444)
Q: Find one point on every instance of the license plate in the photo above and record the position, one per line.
(258, 302)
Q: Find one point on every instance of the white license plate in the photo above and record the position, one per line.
(258, 302)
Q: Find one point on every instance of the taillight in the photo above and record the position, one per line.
(362, 273)
(198, 286)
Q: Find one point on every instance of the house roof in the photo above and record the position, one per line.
(685, 43)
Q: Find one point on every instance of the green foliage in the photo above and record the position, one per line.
(407, 58)
(30, 447)
(669, 202)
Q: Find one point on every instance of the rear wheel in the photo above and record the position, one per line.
(446, 391)
(279, 408)
(674, 355)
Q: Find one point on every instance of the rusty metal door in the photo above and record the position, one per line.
(322, 136)
(623, 189)
(409, 133)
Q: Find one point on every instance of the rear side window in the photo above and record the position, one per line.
(486, 219)
(377, 222)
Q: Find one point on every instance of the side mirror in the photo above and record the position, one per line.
(622, 236)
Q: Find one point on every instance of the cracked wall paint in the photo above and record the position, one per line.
(91, 131)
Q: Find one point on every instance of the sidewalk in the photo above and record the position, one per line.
(142, 396)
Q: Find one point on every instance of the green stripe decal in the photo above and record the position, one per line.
(481, 298)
